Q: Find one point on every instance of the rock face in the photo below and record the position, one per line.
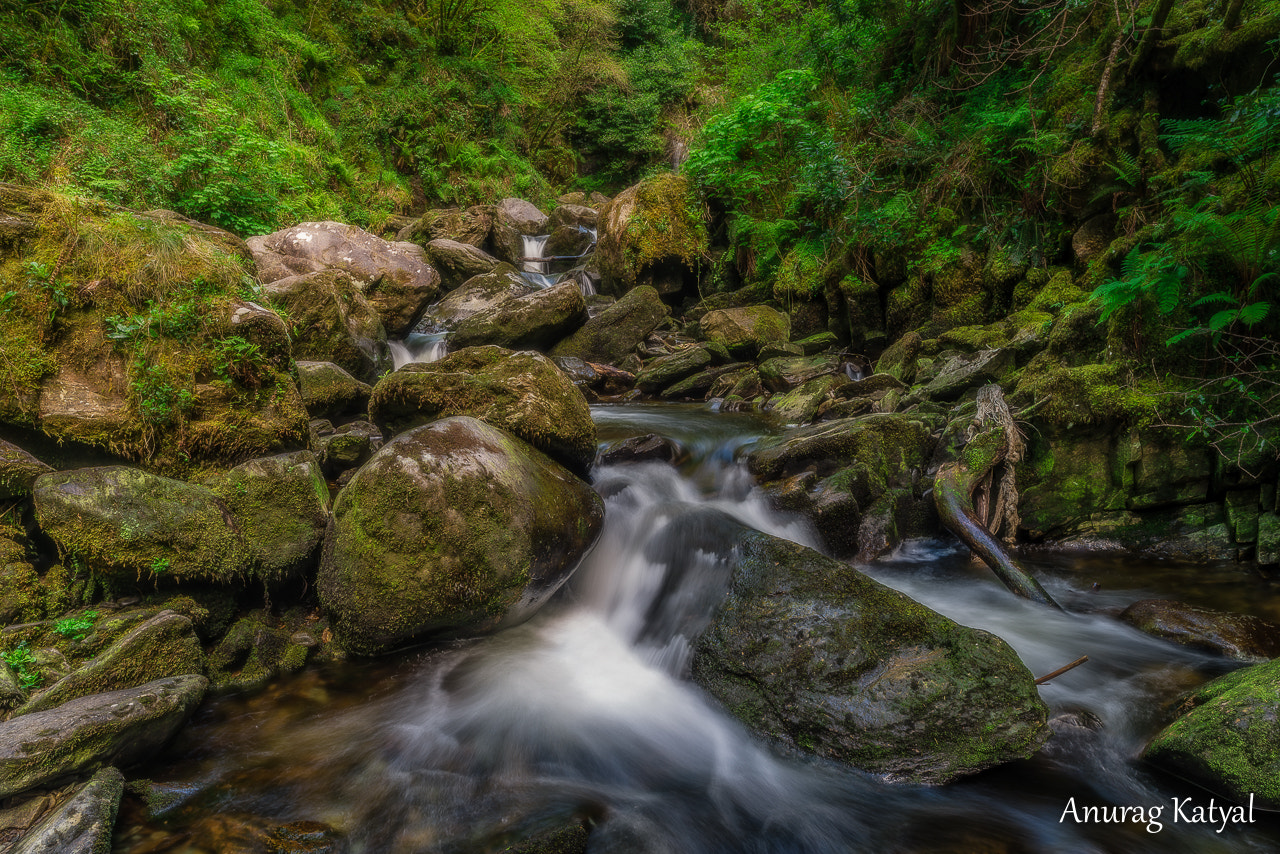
(333, 322)
(1239, 636)
(745, 330)
(117, 728)
(128, 523)
(1228, 737)
(394, 277)
(614, 333)
(451, 529)
(808, 651)
(535, 321)
(523, 393)
(81, 825)
(650, 234)
(280, 505)
(163, 646)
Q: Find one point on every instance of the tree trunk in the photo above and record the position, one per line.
(1152, 33)
(1232, 18)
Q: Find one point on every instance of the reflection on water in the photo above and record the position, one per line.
(581, 714)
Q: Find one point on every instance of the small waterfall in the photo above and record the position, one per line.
(418, 347)
(535, 271)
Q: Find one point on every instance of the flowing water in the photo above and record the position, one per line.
(584, 713)
(425, 344)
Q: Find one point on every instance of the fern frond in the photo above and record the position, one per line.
(1223, 319)
(1254, 313)
(1131, 267)
(1184, 335)
(1220, 297)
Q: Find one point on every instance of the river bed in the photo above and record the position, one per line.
(583, 713)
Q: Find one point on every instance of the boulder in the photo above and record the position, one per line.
(535, 321)
(515, 220)
(338, 449)
(18, 471)
(666, 370)
(126, 522)
(163, 646)
(698, 386)
(810, 652)
(746, 329)
(263, 327)
(280, 505)
(572, 216)
(261, 646)
(394, 277)
(1239, 636)
(472, 226)
(970, 371)
(566, 246)
(82, 824)
(642, 449)
(458, 262)
(786, 372)
(651, 234)
(333, 322)
(1227, 738)
(802, 403)
(595, 378)
(523, 393)
(614, 333)
(481, 293)
(116, 728)
(899, 359)
(455, 528)
(329, 391)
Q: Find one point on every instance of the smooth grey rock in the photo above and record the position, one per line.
(81, 825)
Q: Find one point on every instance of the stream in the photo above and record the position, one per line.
(583, 712)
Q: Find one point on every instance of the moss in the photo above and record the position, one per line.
(1059, 291)
(971, 338)
(666, 224)
(1085, 395)
(799, 276)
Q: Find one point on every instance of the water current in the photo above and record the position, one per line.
(584, 712)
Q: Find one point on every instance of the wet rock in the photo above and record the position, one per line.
(334, 322)
(787, 372)
(394, 277)
(899, 360)
(329, 391)
(667, 370)
(259, 647)
(280, 504)
(81, 825)
(639, 449)
(698, 386)
(810, 652)
(472, 226)
(572, 216)
(163, 646)
(523, 393)
(454, 528)
(481, 293)
(1239, 636)
(565, 246)
(128, 523)
(801, 404)
(595, 378)
(18, 471)
(745, 330)
(458, 262)
(117, 728)
(1227, 738)
(535, 321)
(515, 220)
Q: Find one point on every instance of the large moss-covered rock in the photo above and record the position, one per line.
(535, 321)
(515, 219)
(454, 528)
(1228, 737)
(746, 329)
(394, 277)
(1239, 636)
(165, 645)
(481, 293)
(472, 226)
(522, 392)
(280, 505)
(673, 367)
(329, 391)
(333, 322)
(116, 728)
(127, 523)
(18, 470)
(651, 234)
(458, 262)
(808, 651)
(614, 333)
(82, 824)
(786, 372)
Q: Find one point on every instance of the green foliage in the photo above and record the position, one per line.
(24, 665)
(158, 396)
(238, 360)
(75, 628)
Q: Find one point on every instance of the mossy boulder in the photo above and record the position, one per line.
(1239, 636)
(967, 372)
(345, 447)
(116, 728)
(698, 386)
(394, 277)
(261, 646)
(652, 233)
(515, 219)
(810, 652)
(801, 404)
(671, 368)
(481, 293)
(333, 322)
(472, 226)
(280, 505)
(1227, 738)
(786, 372)
(614, 333)
(536, 321)
(455, 528)
(329, 391)
(165, 645)
(81, 824)
(746, 329)
(521, 392)
(899, 360)
(126, 523)
(18, 470)
(457, 262)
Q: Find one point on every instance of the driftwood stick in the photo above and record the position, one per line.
(1061, 670)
